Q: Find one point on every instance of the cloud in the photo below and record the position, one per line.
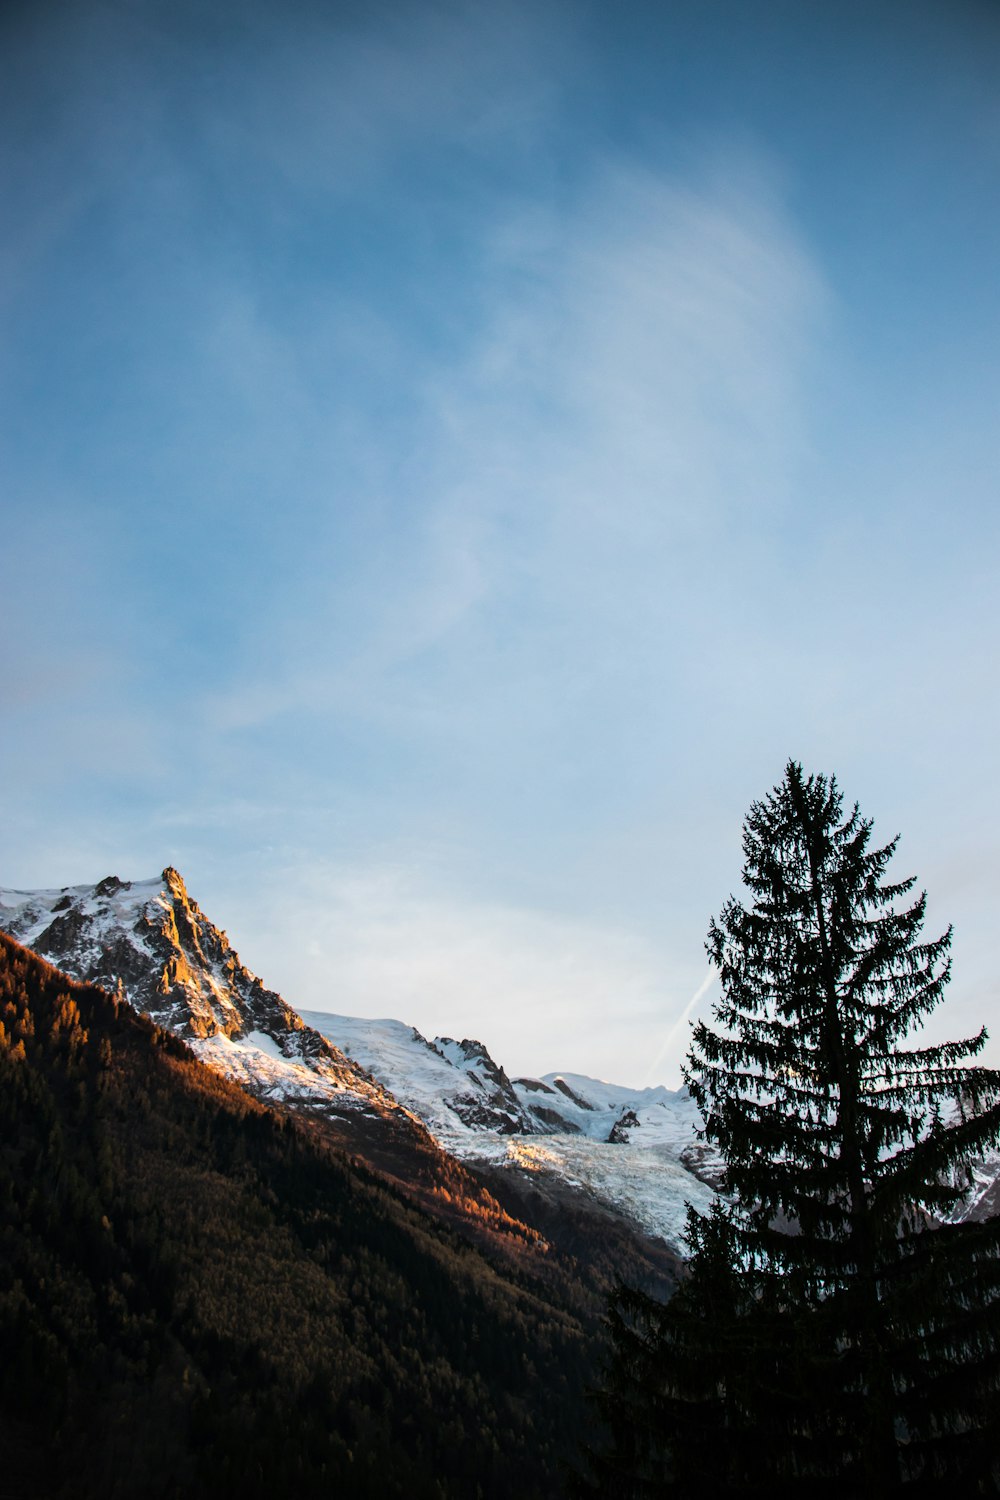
(660, 350)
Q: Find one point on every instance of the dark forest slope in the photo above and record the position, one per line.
(199, 1296)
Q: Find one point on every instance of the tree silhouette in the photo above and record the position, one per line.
(839, 1327)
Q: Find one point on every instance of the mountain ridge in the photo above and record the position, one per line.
(149, 942)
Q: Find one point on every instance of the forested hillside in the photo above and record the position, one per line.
(201, 1296)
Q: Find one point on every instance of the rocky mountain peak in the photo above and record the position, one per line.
(149, 942)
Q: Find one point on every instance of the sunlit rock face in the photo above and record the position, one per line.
(151, 943)
(149, 939)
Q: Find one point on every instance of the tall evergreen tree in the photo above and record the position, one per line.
(839, 1328)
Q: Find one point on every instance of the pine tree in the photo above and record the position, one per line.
(846, 1146)
(839, 1329)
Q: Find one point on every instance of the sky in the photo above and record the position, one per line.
(452, 456)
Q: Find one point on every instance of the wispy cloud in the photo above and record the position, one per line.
(627, 399)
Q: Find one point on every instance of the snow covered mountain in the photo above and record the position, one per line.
(633, 1151)
(149, 942)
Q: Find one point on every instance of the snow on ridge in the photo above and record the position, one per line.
(110, 903)
(593, 1108)
(598, 1092)
(457, 1104)
(258, 1065)
(643, 1173)
(426, 1076)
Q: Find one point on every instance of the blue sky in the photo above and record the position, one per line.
(454, 454)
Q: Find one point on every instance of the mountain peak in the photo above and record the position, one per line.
(150, 942)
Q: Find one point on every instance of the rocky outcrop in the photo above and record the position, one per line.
(489, 1102)
(619, 1133)
(150, 943)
